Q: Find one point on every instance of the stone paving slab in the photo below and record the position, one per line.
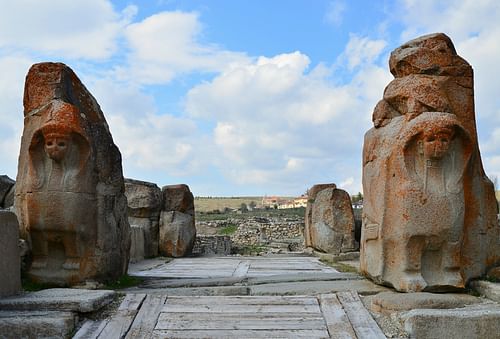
(472, 322)
(164, 316)
(388, 302)
(490, 290)
(226, 267)
(364, 287)
(36, 324)
(59, 299)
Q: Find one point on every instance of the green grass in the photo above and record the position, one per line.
(124, 281)
(31, 286)
(228, 230)
(341, 267)
(206, 204)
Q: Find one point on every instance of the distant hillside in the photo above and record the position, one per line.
(206, 204)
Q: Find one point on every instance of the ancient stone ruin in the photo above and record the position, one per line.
(10, 260)
(177, 225)
(429, 219)
(144, 205)
(70, 193)
(7, 188)
(329, 221)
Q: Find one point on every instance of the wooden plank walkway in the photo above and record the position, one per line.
(225, 267)
(339, 315)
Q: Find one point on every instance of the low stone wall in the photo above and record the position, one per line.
(285, 233)
(212, 245)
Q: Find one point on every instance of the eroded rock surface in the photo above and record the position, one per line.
(10, 260)
(429, 218)
(6, 191)
(177, 224)
(144, 204)
(69, 193)
(329, 220)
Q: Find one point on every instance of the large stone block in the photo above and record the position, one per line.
(144, 205)
(6, 191)
(178, 198)
(69, 190)
(137, 243)
(429, 217)
(177, 224)
(329, 220)
(10, 260)
(177, 233)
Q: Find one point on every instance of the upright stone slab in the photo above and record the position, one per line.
(69, 194)
(429, 217)
(329, 220)
(6, 191)
(144, 205)
(10, 260)
(177, 226)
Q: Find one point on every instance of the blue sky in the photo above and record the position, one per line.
(246, 97)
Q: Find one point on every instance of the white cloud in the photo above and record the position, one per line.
(335, 11)
(280, 124)
(148, 140)
(166, 44)
(75, 29)
(13, 70)
(474, 27)
(362, 51)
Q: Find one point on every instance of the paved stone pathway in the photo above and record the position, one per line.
(224, 267)
(177, 301)
(340, 315)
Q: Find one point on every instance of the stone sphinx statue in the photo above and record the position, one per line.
(69, 195)
(61, 200)
(429, 216)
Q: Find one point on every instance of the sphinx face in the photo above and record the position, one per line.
(56, 147)
(435, 145)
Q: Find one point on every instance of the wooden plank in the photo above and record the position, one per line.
(221, 321)
(240, 334)
(362, 322)
(119, 324)
(243, 300)
(146, 318)
(223, 308)
(337, 321)
(90, 329)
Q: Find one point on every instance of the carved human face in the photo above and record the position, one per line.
(56, 146)
(435, 145)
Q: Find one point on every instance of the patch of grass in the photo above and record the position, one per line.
(341, 267)
(228, 230)
(492, 279)
(31, 286)
(124, 281)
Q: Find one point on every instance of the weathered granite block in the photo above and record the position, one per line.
(69, 194)
(144, 205)
(10, 260)
(429, 217)
(329, 220)
(177, 234)
(137, 243)
(177, 224)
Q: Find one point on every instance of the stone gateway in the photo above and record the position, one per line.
(70, 193)
(429, 218)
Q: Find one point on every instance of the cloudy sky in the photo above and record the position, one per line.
(240, 97)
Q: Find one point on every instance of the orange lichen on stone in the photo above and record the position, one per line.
(69, 192)
(429, 218)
